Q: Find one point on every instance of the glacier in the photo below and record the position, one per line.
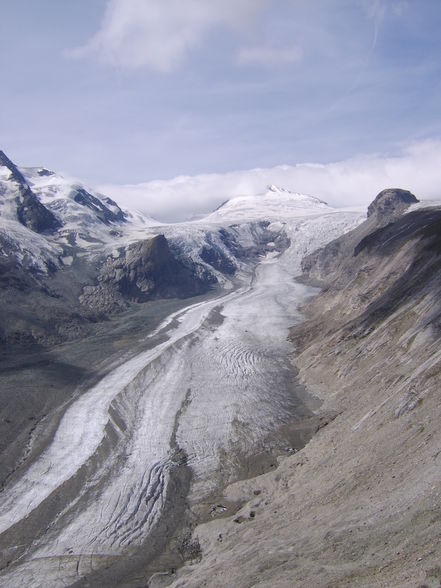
(208, 390)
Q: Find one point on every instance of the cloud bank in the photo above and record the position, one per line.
(350, 183)
(159, 34)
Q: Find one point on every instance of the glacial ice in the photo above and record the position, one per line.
(214, 384)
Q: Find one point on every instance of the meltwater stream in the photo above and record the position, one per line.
(215, 389)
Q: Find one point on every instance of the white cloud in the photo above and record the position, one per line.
(353, 182)
(377, 10)
(159, 34)
(268, 56)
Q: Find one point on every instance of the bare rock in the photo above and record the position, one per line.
(391, 202)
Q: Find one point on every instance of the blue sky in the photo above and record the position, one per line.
(125, 91)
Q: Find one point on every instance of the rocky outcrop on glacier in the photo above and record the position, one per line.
(14, 173)
(143, 271)
(32, 214)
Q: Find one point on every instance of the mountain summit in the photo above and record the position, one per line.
(29, 211)
(391, 202)
(274, 204)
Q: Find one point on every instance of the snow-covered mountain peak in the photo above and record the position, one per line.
(276, 203)
(9, 171)
(276, 189)
(303, 197)
(80, 207)
(46, 217)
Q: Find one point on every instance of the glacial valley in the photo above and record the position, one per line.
(248, 399)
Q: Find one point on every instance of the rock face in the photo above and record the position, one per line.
(390, 203)
(103, 213)
(144, 271)
(359, 505)
(217, 259)
(32, 214)
(16, 174)
(149, 269)
(371, 351)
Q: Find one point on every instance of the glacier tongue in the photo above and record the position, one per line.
(211, 391)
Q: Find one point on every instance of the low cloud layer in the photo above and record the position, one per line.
(350, 183)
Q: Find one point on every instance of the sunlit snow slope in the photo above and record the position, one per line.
(275, 203)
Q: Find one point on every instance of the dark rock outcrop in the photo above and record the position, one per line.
(391, 203)
(15, 172)
(33, 214)
(262, 240)
(330, 264)
(43, 172)
(216, 258)
(144, 271)
(102, 212)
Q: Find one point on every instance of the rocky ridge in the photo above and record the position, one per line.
(30, 211)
